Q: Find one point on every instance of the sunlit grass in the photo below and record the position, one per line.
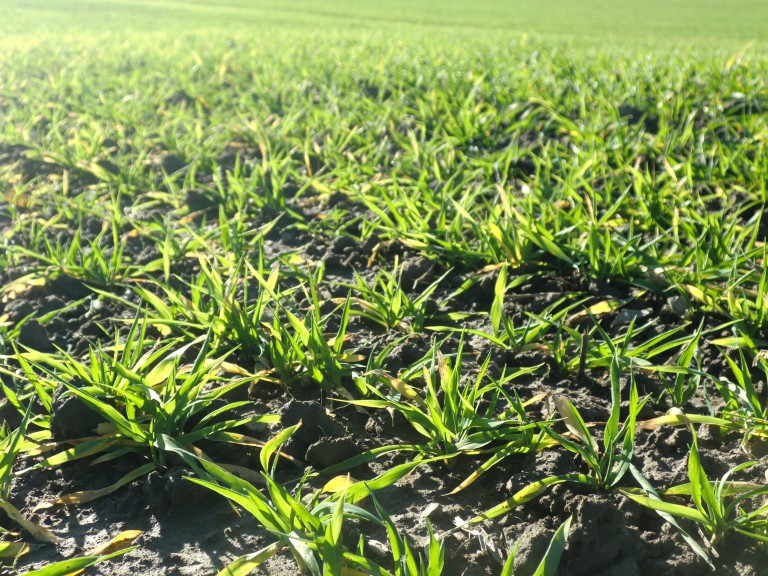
(598, 208)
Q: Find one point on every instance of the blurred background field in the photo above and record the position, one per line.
(704, 24)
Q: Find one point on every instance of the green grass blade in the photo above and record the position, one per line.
(246, 564)
(548, 565)
(67, 567)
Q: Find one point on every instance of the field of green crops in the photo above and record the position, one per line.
(395, 288)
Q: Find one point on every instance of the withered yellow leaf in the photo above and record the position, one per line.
(337, 484)
(39, 532)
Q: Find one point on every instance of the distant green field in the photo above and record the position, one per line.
(709, 24)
